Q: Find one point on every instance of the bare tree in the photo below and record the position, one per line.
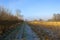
(56, 17)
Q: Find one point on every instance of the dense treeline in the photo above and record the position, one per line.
(7, 21)
(5, 15)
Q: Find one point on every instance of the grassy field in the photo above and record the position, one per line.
(46, 30)
(50, 25)
(47, 23)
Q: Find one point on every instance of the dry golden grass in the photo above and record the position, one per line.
(46, 23)
(52, 27)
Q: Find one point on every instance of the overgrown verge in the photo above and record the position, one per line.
(8, 22)
(46, 32)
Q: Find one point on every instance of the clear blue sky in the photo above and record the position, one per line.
(33, 8)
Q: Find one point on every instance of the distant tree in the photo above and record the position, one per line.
(40, 19)
(18, 14)
(35, 20)
(56, 17)
(49, 20)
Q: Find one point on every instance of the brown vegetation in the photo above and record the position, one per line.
(46, 30)
(8, 21)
